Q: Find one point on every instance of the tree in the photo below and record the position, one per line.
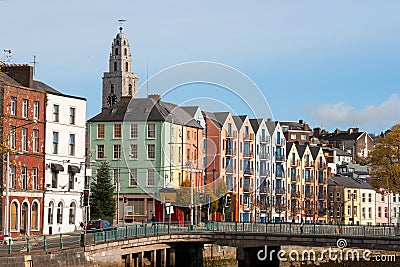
(385, 161)
(102, 203)
(183, 196)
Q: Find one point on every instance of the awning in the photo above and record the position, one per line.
(74, 169)
(57, 167)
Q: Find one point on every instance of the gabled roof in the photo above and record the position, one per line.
(314, 151)
(255, 124)
(342, 136)
(221, 117)
(239, 120)
(211, 116)
(296, 126)
(301, 149)
(271, 126)
(38, 85)
(340, 152)
(4, 78)
(289, 146)
(191, 110)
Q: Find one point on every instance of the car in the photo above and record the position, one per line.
(100, 225)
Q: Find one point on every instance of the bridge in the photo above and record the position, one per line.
(176, 245)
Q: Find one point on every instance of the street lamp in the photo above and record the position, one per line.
(7, 207)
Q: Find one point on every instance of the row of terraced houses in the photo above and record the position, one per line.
(272, 171)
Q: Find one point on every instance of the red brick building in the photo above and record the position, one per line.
(23, 135)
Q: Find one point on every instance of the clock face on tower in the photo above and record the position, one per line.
(111, 99)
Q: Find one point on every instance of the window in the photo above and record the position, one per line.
(35, 216)
(363, 213)
(35, 178)
(338, 212)
(14, 216)
(363, 197)
(54, 179)
(126, 67)
(50, 213)
(331, 196)
(24, 177)
(348, 194)
(71, 115)
(100, 131)
(379, 212)
(150, 177)
(348, 210)
(24, 139)
(125, 51)
(117, 130)
(13, 178)
(36, 110)
(116, 176)
(369, 197)
(386, 212)
(382, 197)
(133, 177)
(35, 143)
(100, 151)
(151, 151)
(71, 182)
(13, 106)
(60, 213)
(72, 209)
(71, 145)
(133, 153)
(303, 137)
(24, 108)
(338, 198)
(293, 136)
(55, 142)
(394, 198)
(188, 135)
(355, 211)
(116, 151)
(134, 131)
(151, 130)
(13, 137)
(56, 114)
(370, 213)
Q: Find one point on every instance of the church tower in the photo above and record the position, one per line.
(119, 81)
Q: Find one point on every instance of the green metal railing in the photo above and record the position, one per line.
(92, 237)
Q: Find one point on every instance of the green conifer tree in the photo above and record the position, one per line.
(102, 203)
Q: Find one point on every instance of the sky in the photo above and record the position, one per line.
(335, 64)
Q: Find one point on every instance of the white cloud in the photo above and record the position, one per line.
(372, 118)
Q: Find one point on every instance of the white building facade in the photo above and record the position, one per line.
(65, 163)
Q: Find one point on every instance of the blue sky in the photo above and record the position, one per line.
(334, 64)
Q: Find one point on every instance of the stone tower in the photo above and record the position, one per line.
(119, 81)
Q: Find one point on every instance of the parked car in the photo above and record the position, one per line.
(100, 225)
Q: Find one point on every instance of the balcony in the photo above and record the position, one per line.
(229, 169)
(280, 191)
(321, 196)
(308, 179)
(248, 137)
(281, 142)
(247, 189)
(247, 154)
(309, 164)
(294, 178)
(264, 173)
(248, 171)
(279, 175)
(279, 157)
(264, 155)
(294, 194)
(265, 139)
(229, 152)
(294, 163)
(308, 195)
(231, 134)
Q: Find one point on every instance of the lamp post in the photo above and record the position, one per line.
(7, 207)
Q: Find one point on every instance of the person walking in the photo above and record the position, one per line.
(153, 220)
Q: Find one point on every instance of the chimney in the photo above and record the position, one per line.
(350, 130)
(156, 97)
(22, 73)
(337, 131)
(317, 132)
(269, 120)
(301, 121)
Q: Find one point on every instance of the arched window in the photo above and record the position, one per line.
(125, 51)
(72, 209)
(24, 218)
(115, 66)
(35, 216)
(14, 216)
(126, 66)
(60, 213)
(117, 42)
(124, 42)
(130, 89)
(50, 213)
(116, 51)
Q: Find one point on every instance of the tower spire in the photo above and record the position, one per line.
(119, 81)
